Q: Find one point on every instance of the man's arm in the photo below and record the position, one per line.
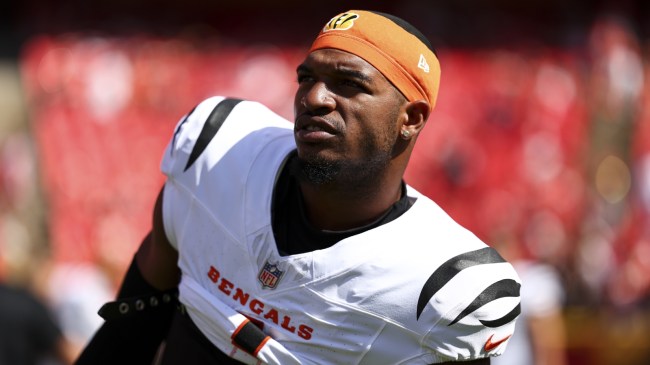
(139, 320)
(156, 258)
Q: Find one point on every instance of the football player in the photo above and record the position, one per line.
(300, 243)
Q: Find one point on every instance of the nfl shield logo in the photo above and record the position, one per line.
(270, 275)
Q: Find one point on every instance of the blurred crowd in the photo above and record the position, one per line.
(542, 151)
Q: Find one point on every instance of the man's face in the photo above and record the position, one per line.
(347, 116)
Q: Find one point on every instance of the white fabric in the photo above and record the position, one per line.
(352, 303)
(219, 322)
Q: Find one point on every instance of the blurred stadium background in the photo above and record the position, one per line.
(540, 142)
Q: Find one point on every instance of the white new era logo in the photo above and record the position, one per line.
(423, 64)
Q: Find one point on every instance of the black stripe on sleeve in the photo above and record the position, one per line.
(249, 338)
(178, 129)
(453, 266)
(500, 289)
(503, 320)
(211, 127)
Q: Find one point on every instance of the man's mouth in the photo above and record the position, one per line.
(310, 129)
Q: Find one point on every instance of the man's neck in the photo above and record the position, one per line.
(334, 209)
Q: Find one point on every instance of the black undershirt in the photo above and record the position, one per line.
(295, 235)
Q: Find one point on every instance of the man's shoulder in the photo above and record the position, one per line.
(218, 115)
(217, 124)
(468, 293)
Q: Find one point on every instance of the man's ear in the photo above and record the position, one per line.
(417, 113)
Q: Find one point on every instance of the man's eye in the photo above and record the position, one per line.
(353, 84)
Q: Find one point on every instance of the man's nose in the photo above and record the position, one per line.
(318, 97)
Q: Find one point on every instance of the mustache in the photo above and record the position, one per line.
(321, 120)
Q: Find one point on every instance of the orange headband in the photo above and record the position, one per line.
(399, 55)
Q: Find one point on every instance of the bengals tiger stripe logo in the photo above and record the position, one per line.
(341, 22)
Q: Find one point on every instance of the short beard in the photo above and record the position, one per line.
(317, 171)
(358, 177)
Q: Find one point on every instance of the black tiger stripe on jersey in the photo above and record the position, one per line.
(178, 129)
(500, 289)
(453, 266)
(211, 127)
(503, 320)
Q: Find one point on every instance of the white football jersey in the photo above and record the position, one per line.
(418, 290)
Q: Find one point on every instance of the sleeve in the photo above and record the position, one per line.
(196, 132)
(192, 135)
(219, 132)
(186, 133)
(477, 297)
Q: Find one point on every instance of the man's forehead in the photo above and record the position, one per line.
(339, 61)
